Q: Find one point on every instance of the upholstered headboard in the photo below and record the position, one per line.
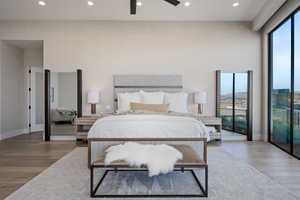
(150, 83)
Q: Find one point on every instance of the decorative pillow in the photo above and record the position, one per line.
(149, 107)
(124, 100)
(178, 102)
(152, 97)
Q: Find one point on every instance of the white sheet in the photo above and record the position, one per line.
(148, 126)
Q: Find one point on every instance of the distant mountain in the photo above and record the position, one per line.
(238, 96)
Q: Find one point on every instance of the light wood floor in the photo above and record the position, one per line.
(24, 157)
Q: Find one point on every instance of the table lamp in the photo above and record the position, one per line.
(200, 98)
(93, 99)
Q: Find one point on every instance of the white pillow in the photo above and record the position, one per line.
(124, 100)
(178, 102)
(152, 97)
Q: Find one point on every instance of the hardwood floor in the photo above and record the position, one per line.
(23, 157)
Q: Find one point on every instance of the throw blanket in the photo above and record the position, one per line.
(158, 158)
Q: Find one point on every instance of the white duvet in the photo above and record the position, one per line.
(148, 126)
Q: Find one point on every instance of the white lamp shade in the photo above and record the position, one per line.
(93, 97)
(200, 98)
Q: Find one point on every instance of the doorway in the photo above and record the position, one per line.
(35, 99)
(284, 85)
(21, 110)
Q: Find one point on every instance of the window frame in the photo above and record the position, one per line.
(270, 80)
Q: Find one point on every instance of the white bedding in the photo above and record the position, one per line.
(148, 126)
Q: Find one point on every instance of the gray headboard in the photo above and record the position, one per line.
(150, 83)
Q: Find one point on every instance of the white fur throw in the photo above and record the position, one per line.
(158, 158)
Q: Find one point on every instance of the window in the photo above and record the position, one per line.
(284, 85)
(296, 124)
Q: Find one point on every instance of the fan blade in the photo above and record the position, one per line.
(132, 7)
(173, 2)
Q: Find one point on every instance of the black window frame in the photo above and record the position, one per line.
(249, 112)
(270, 81)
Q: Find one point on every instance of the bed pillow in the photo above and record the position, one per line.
(162, 108)
(124, 100)
(152, 97)
(178, 102)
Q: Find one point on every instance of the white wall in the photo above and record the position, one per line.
(33, 57)
(14, 84)
(12, 91)
(102, 49)
(285, 11)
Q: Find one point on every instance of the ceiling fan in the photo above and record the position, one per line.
(133, 5)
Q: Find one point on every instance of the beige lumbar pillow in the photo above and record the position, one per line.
(149, 107)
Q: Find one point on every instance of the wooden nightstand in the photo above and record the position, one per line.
(83, 125)
(215, 122)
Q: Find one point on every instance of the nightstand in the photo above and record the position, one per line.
(83, 125)
(215, 122)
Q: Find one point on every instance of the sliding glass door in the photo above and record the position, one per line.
(284, 85)
(296, 135)
(281, 86)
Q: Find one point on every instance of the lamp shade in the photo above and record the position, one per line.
(200, 98)
(93, 97)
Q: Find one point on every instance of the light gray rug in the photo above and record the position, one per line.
(229, 179)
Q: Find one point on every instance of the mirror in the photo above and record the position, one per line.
(234, 101)
(63, 103)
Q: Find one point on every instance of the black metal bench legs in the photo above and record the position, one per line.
(93, 192)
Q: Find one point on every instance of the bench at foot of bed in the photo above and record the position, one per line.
(189, 163)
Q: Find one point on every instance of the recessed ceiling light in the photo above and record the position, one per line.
(139, 3)
(42, 3)
(236, 4)
(187, 4)
(90, 3)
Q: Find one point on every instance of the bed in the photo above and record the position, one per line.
(147, 128)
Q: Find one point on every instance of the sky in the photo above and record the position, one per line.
(282, 55)
(227, 82)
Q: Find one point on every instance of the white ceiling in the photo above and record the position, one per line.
(200, 10)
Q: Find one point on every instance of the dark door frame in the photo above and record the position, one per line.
(47, 88)
(249, 113)
(79, 93)
(270, 81)
(47, 105)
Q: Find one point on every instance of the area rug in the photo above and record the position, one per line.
(229, 179)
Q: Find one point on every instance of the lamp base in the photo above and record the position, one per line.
(93, 109)
(200, 108)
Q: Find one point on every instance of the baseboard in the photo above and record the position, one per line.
(12, 133)
(34, 129)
